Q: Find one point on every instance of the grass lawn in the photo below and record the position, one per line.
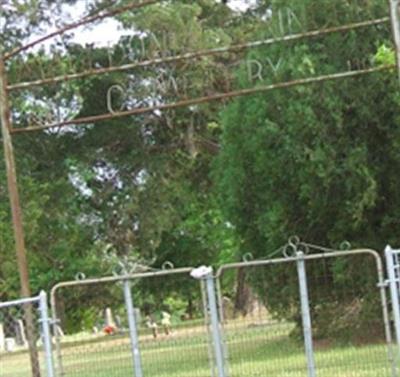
(252, 352)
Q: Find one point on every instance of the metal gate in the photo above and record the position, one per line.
(133, 325)
(393, 271)
(25, 350)
(309, 312)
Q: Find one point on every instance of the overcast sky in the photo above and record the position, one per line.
(109, 31)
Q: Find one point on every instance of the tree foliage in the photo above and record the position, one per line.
(195, 185)
(137, 188)
(315, 161)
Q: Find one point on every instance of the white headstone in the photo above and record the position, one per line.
(10, 344)
(137, 315)
(118, 321)
(109, 318)
(20, 333)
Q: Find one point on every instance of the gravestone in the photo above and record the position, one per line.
(118, 321)
(228, 308)
(109, 318)
(9, 344)
(137, 314)
(20, 336)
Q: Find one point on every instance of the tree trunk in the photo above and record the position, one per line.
(242, 294)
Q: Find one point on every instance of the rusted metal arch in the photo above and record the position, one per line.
(205, 99)
(197, 54)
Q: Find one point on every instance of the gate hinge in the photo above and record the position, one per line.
(384, 284)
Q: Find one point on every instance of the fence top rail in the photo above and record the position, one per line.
(110, 279)
(21, 301)
(322, 255)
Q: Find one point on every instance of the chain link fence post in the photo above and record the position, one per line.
(133, 332)
(46, 333)
(206, 274)
(305, 314)
(207, 323)
(394, 284)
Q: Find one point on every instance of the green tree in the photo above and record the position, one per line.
(135, 186)
(317, 161)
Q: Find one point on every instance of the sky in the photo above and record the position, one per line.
(109, 31)
(106, 32)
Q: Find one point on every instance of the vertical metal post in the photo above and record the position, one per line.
(305, 314)
(59, 363)
(133, 333)
(212, 304)
(16, 213)
(394, 284)
(222, 319)
(45, 320)
(12, 184)
(220, 301)
(207, 324)
(395, 19)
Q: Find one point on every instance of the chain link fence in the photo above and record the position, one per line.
(309, 312)
(25, 341)
(349, 328)
(260, 341)
(153, 323)
(322, 314)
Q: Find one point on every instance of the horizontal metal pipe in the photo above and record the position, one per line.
(109, 279)
(22, 301)
(195, 54)
(201, 100)
(326, 255)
